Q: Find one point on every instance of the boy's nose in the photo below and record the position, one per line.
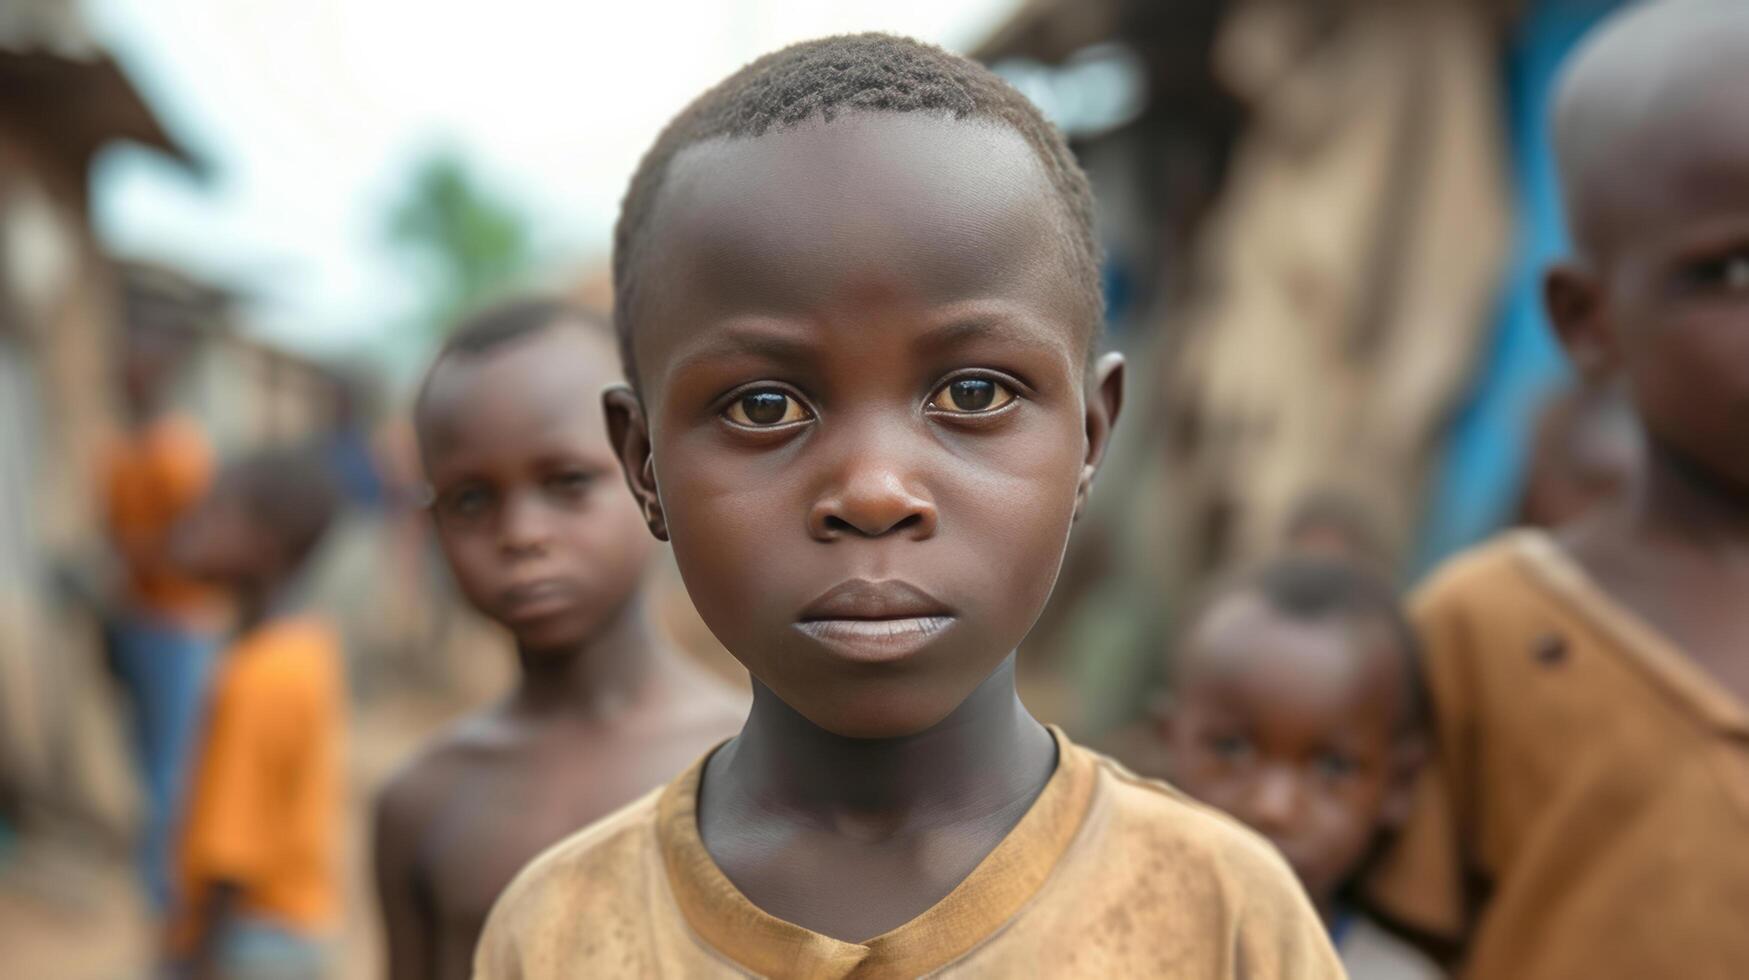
(871, 501)
(1275, 799)
(524, 527)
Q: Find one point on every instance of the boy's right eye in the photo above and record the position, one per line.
(766, 408)
(1729, 272)
(467, 502)
(1229, 747)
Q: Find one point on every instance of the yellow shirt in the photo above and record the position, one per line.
(265, 808)
(1589, 812)
(1107, 875)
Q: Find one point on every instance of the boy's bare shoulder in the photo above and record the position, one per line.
(701, 703)
(440, 766)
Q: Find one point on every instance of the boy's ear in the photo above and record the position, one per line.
(1104, 401)
(629, 435)
(1408, 758)
(1575, 302)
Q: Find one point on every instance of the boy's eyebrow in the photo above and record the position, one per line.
(732, 340)
(974, 327)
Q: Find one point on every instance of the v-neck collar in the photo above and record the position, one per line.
(978, 906)
(1645, 646)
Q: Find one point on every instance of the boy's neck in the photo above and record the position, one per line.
(596, 681)
(1678, 498)
(984, 756)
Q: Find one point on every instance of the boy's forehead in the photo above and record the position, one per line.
(1652, 125)
(550, 376)
(1242, 639)
(905, 206)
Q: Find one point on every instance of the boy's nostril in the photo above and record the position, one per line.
(839, 525)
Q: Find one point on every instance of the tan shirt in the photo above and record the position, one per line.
(1589, 814)
(1107, 875)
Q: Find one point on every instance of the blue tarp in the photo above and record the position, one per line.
(1477, 482)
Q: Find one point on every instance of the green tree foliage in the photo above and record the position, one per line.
(465, 242)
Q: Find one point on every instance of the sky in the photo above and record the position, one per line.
(310, 114)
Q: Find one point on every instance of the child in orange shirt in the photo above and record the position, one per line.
(260, 838)
(161, 630)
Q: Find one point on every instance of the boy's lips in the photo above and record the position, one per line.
(875, 622)
(539, 599)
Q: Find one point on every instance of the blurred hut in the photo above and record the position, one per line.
(1323, 222)
(62, 101)
(245, 391)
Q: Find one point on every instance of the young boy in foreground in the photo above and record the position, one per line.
(260, 891)
(543, 539)
(1296, 707)
(857, 302)
(1592, 686)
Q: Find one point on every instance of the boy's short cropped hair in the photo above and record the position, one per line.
(1313, 588)
(844, 74)
(494, 326)
(491, 327)
(292, 491)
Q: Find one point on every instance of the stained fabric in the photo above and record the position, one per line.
(1107, 875)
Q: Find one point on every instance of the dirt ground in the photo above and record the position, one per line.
(72, 911)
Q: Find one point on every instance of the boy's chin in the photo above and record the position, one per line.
(888, 711)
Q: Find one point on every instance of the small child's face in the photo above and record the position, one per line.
(527, 502)
(1292, 727)
(220, 541)
(865, 386)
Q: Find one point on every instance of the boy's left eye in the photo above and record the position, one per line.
(766, 408)
(1336, 765)
(971, 396)
(1736, 273)
(1729, 273)
(570, 481)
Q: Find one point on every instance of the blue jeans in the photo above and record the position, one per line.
(255, 948)
(164, 667)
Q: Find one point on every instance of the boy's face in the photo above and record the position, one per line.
(867, 419)
(1292, 727)
(526, 499)
(1667, 300)
(221, 541)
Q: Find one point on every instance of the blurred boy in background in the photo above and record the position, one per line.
(259, 847)
(544, 539)
(1587, 812)
(1296, 707)
(163, 628)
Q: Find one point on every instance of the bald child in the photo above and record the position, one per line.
(543, 538)
(1587, 813)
